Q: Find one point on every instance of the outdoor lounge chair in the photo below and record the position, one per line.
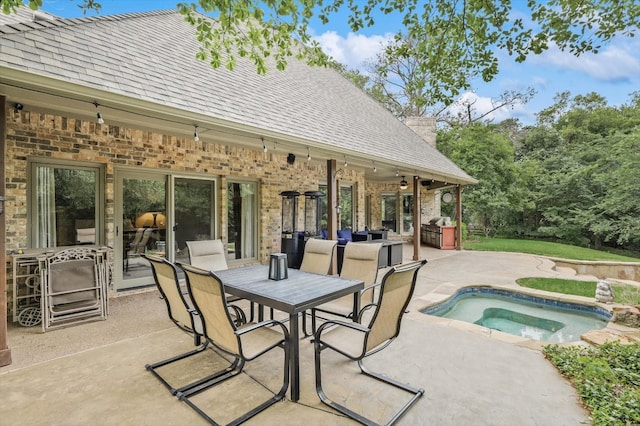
(184, 316)
(357, 340)
(210, 256)
(360, 263)
(243, 344)
(74, 286)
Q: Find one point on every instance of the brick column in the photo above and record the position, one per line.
(5, 352)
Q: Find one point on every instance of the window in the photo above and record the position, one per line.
(242, 229)
(389, 212)
(407, 213)
(345, 199)
(65, 205)
(346, 207)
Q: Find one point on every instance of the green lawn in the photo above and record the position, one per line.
(543, 248)
(625, 294)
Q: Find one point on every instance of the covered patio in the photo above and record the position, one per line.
(111, 129)
(95, 373)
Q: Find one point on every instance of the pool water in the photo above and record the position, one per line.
(521, 315)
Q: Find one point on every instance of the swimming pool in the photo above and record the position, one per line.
(521, 314)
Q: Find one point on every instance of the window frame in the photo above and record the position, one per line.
(255, 220)
(32, 194)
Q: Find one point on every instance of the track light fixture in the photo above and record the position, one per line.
(397, 172)
(403, 183)
(196, 136)
(98, 113)
(375, 169)
(308, 154)
(345, 161)
(264, 145)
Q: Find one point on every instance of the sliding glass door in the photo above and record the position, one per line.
(141, 226)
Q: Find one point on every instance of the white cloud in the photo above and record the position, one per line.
(619, 62)
(353, 50)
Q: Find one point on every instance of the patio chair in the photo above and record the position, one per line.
(207, 254)
(210, 255)
(317, 259)
(360, 263)
(74, 287)
(318, 256)
(184, 316)
(356, 340)
(138, 245)
(243, 344)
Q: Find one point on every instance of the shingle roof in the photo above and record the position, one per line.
(151, 56)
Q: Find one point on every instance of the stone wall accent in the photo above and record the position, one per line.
(423, 126)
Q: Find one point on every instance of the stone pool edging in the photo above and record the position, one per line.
(602, 269)
(446, 292)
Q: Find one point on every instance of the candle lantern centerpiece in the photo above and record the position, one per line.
(278, 268)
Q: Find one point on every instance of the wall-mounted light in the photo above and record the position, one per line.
(98, 113)
(196, 136)
(338, 208)
(403, 183)
(291, 158)
(18, 106)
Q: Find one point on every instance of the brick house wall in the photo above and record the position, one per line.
(31, 135)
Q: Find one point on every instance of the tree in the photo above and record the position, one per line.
(396, 83)
(453, 41)
(487, 155)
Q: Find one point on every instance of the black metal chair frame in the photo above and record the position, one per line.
(190, 329)
(320, 345)
(240, 359)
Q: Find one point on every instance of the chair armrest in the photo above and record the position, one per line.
(262, 324)
(350, 324)
(370, 287)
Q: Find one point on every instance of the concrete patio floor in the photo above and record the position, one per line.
(94, 373)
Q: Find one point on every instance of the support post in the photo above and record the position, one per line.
(416, 217)
(459, 217)
(5, 352)
(332, 202)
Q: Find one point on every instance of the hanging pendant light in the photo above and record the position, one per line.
(403, 183)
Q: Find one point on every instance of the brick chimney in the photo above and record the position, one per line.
(425, 127)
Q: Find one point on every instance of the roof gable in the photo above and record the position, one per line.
(151, 56)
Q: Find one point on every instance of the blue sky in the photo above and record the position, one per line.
(613, 73)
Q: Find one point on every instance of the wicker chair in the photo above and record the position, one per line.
(356, 340)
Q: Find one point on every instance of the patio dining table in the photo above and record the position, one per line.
(294, 295)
